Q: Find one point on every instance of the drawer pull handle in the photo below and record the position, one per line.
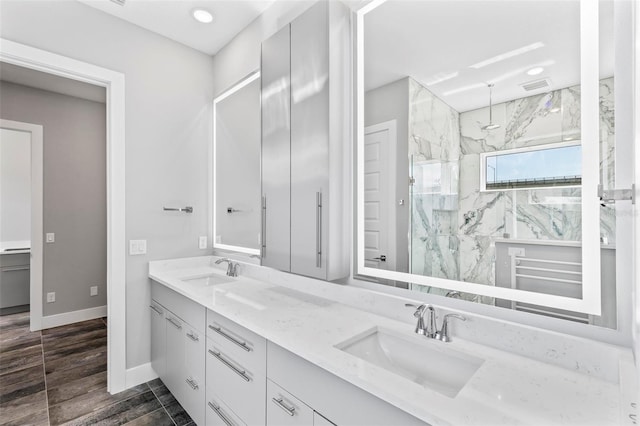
(155, 308)
(192, 337)
(241, 373)
(175, 323)
(243, 345)
(192, 383)
(220, 414)
(280, 403)
(15, 268)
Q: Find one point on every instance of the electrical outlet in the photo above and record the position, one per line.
(93, 290)
(51, 297)
(202, 242)
(51, 237)
(137, 247)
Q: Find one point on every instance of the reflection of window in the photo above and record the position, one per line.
(535, 167)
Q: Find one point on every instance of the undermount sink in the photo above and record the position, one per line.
(428, 363)
(208, 280)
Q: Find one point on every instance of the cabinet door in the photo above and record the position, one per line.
(276, 150)
(284, 409)
(158, 339)
(194, 376)
(310, 141)
(174, 376)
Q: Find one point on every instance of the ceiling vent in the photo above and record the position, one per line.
(119, 2)
(536, 84)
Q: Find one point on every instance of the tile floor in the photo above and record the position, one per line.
(59, 376)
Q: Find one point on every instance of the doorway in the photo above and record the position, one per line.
(113, 82)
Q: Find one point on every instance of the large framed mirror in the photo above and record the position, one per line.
(236, 218)
(483, 131)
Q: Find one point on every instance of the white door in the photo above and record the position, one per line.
(379, 195)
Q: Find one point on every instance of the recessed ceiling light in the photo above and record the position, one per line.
(202, 15)
(535, 71)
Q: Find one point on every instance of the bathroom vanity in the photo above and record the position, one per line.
(244, 350)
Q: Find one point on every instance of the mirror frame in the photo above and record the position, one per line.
(213, 170)
(589, 82)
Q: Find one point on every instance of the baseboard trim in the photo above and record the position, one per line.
(140, 374)
(73, 317)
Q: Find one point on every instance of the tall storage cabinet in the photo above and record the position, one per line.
(307, 136)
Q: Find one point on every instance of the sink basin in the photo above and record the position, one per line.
(428, 363)
(208, 280)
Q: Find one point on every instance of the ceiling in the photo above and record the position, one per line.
(52, 83)
(452, 46)
(172, 19)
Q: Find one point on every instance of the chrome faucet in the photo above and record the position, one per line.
(443, 334)
(232, 268)
(430, 329)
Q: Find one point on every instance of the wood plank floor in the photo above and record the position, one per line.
(59, 377)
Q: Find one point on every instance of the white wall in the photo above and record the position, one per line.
(241, 56)
(169, 90)
(15, 187)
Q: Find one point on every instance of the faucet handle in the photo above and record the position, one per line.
(443, 334)
(419, 309)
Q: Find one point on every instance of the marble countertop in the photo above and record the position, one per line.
(507, 389)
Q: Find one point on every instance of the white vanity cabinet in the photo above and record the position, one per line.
(178, 348)
(330, 399)
(304, 134)
(236, 369)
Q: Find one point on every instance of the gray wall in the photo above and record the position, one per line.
(75, 197)
(391, 102)
(169, 91)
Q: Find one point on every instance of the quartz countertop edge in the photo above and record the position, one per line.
(507, 389)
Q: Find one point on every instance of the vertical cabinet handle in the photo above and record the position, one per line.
(155, 308)
(192, 336)
(318, 229)
(264, 226)
(220, 414)
(280, 403)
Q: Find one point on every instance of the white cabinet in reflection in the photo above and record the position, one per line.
(305, 140)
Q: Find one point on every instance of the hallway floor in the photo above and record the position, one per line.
(59, 376)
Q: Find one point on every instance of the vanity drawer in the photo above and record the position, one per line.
(186, 309)
(284, 409)
(194, 351)
(15, 259)
(242, 345)
(218, 414)
(240, 387)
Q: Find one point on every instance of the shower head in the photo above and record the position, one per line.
(491, 125)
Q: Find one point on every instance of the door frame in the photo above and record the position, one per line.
(114, 84)
(36, 265)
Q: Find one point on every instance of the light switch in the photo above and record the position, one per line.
(202, 242)
(93, 290)
(51, 237)
(137, 247)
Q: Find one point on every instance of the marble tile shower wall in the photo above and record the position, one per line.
(434, 152)
(456, 217)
